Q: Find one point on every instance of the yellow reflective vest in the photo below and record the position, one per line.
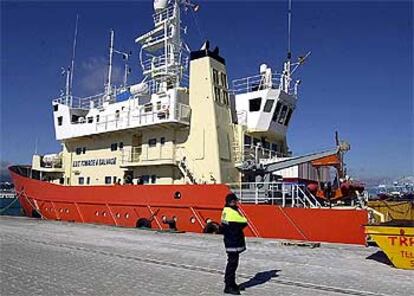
(231, 215)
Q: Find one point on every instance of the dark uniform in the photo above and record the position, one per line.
(233, 223)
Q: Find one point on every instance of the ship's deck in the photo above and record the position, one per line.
(54, 258)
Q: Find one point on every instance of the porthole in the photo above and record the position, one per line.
(46, 209)
(192, 220)
(61, 210)
(96, 213)
(208, 220)
(175, 218)
(164, 218)
(104, 213)
(118, 215)
(126, 216)
(177, 195)
(67, 211)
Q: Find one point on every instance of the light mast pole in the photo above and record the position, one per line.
(287, 66)
(111, 54)
(72, 66)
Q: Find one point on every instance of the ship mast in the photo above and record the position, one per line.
(287, 66)
(111, 54)
(72, 67)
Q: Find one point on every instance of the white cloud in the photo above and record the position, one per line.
(93, 75)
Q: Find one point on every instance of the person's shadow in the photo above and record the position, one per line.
(260, 278)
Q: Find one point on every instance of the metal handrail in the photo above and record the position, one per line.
(249, 152)
(282, 193)
(163, 15)
(256, 82)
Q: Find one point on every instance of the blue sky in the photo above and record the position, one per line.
(358, 79)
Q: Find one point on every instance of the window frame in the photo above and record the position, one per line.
(256, 105)
(152, 142)
(114, 147)
(266, 107)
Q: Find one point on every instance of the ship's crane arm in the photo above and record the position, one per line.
(283, 164)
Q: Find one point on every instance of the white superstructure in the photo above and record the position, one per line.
(180, 124)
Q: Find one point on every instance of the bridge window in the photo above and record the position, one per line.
(217, 96)
(276, 113)
(268, 106)
(288, 116)
(97, 118)
(90, 119)
(108, 179)
(121, 145)
(81, 180)
(117, 114)
(60, 120)
(162, 140)
(282, 114)
(78, 151)
(254, 104)
(225, 97)
(274, 147)
(215, 77)
(55, 107)
(223, 79)
(88, 180)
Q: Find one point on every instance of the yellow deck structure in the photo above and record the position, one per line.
(396, 239)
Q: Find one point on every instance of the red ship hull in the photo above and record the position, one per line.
(192, 206)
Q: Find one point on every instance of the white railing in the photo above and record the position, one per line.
(252, 152)
(86, 103)
(275, 193)
(143, 154)
(257, 82)
(163, 15)
(146, 115)
(261, 82)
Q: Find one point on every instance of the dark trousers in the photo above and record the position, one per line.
(232, 264)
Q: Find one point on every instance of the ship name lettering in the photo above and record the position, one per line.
(94, 162)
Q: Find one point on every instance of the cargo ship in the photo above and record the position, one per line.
(163, 153)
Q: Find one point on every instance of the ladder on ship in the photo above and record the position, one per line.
(185, 170)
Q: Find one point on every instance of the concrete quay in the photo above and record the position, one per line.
(41, 257)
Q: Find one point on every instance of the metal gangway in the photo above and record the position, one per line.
(285, 194)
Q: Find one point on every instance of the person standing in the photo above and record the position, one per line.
(232, 222)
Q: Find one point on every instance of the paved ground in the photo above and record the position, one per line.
(54, 258)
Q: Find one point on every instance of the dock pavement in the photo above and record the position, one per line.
(41, 257)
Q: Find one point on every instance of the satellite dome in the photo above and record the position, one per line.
(160, 4)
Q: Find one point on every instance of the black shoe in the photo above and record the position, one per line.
(231, 290)
(240, 287)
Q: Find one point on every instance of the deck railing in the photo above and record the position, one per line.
(262, 82)
(275, 193)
